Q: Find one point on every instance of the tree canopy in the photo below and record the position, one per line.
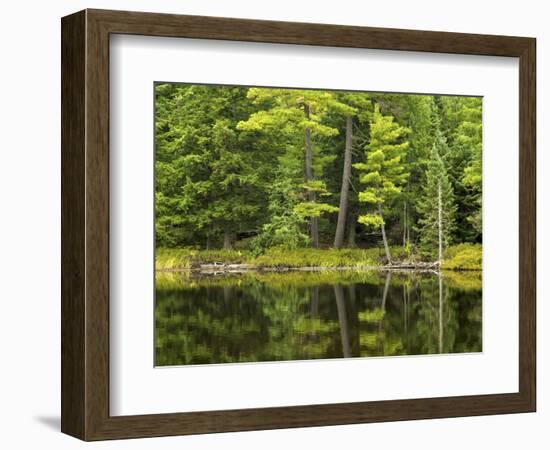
(256, 168)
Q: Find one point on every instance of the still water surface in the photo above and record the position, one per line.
(228, 318)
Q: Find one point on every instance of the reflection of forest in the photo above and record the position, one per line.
(297, 315)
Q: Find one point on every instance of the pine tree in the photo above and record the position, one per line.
(470, 136)
(298, 115)
(360, 105)
(384, 173)
(461, 123)
(208, 176)
(255, 168)
(436, 207)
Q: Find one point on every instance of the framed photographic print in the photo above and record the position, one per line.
(271, 225)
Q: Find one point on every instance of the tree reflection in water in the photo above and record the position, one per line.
(311, 315)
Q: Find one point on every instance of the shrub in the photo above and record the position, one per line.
(463, 257)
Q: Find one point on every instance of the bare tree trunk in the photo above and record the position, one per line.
(351, 232)
(404, 224)
(352, 297)
(408, 302)
(314, 223)
(227, 294)
(405, 315)
(227, 239)
(386, 288)
(383, 306)
(208, 242)
(342, 318)
(315, 302)
(344, 190)
(383, 229)
(439, 223)
(440, 313)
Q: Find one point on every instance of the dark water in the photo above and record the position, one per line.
(312, 315)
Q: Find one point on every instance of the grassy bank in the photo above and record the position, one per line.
(463, 257)
(458, 257)
(185, 258)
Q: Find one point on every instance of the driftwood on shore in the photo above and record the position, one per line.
(413, 265)
(213, 268)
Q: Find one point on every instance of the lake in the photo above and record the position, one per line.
(273, 316)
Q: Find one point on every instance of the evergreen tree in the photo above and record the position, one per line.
(461, 123)
(208, 176)
(298, 114)
(261, 167)
(436, 206)
(358, 114)
(470, 136)
(284, 225)
(384, 173)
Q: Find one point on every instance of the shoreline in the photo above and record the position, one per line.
(248, 268)
(460, 257)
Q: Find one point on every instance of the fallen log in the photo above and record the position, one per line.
(419, 265)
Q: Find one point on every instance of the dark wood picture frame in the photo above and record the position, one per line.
(85, 224)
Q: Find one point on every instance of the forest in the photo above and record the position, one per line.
(301, 177)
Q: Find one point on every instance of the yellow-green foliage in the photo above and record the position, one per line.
(305, 325)
(177, 280)
(463, 257)
(186, 258)
(372, 316)
(463, 280)
(314, 257)
(457, 257)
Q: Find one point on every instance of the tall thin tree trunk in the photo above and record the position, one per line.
(386, 289)
(351, 231)
(344, 190)
(227, 239)
(352, 296)
(343, 319)
(208, 242)
(440, 313)
(408, 291)
(383, 229)
(439, 223)
(314, 222)
(315, 302)
(405, 315)
(383, 306)
(227, 294)
(405, 223)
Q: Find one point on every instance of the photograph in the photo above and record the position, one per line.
(306, 224)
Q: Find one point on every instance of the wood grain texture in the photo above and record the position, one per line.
(85, 224)
(527, 224)
(73, 108)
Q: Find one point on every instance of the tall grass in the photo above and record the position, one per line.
(459, 257)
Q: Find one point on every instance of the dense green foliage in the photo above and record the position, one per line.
(436, 204)
(463, 257)
(260, 171)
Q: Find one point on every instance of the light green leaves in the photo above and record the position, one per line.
(371, 220)
(369, 196)
(314, 209)
(385, 171)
